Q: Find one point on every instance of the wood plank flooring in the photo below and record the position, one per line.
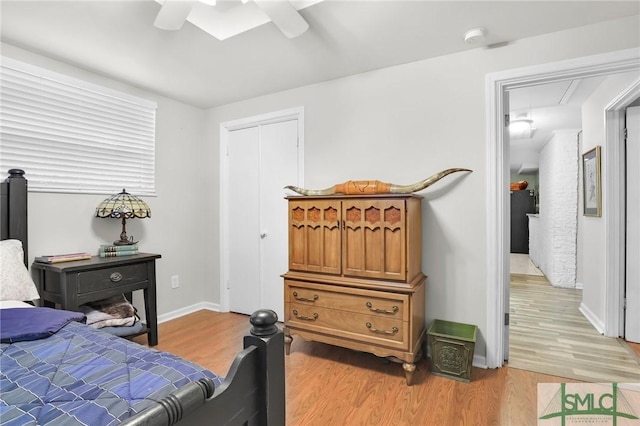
(327, 385)
(549, 335)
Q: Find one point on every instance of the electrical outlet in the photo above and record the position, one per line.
(175, 281)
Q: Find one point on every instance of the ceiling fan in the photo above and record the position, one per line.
(229, 18)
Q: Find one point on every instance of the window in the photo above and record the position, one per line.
(72, 136)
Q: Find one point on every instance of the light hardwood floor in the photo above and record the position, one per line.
(520, 263)
(548, 334)
(327, 385)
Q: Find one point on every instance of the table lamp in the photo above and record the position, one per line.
(123, 206)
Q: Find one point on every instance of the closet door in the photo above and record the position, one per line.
(263, 159)
(278, 168)
(244, 224)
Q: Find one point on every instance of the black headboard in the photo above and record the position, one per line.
(13, 209)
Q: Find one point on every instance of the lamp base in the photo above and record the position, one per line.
(124, 242)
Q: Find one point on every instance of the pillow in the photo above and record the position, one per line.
(15, 281)
(7, 304)
(23, 325)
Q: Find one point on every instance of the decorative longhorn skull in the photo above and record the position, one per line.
(360, 187)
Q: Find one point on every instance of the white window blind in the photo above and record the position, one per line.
(72, 136)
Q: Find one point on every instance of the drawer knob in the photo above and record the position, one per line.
(304, 299)
(393, 331)
(382, 311)
(115, 277)
(304, 317)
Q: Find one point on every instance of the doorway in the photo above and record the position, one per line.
(498, 182)
(259, 157)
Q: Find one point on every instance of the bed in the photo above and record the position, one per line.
(57, 370)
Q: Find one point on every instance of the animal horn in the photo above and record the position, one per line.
(419, 186)
(375, 186)
(328, 191)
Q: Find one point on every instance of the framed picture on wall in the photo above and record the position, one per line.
(591, 183)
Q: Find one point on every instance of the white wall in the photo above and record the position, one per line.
(534, 238)
(592, 229)
(173, 231)
(403, 123)
(558, 222)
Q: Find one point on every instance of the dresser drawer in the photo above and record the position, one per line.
(101, 279)
(362, 327)
(367, 302)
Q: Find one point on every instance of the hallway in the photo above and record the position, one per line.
(549, 335)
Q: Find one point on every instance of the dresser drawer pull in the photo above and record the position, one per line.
(382, 311)
(304, 317)
(304, 299)
(393, 331)
(115, 277)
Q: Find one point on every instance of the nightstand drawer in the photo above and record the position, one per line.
(101, 279)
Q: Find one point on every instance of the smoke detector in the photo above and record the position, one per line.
(474, 36)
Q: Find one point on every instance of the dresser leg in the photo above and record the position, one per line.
(409, 368)
(287, 342)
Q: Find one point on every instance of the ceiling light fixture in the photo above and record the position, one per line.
(235, 17)
(521, 128)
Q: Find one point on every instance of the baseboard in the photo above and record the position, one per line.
(593, 318)
(188, 310)
(564, 285)
(579, 286)
(480, 362)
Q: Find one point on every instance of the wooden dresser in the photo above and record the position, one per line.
(355, 276)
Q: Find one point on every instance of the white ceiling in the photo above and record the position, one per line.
(118, 39)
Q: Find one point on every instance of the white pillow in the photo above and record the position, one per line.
(15, 281)
(5, 304)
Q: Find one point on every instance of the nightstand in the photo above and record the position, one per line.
(71, 284)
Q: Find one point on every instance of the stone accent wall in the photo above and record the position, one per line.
(557, 239)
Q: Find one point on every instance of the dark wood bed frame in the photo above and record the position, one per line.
(253, 392)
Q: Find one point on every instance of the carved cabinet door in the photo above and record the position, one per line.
(374, 238)
(315, 236)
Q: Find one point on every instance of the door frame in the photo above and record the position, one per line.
(616, 269)
(296, 113)
(497, 162)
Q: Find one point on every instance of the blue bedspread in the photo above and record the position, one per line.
(84, 376)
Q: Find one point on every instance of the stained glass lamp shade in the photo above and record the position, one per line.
(123, 206)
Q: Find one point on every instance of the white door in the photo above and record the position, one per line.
(263, 159)
(244, 226)
(632, 294)
(279, 160)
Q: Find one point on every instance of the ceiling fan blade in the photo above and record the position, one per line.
(173, 13)
(284, 16)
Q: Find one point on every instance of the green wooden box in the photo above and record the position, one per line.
(452, 345)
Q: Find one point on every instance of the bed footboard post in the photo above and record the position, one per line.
(13, 209)
(269, 340)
